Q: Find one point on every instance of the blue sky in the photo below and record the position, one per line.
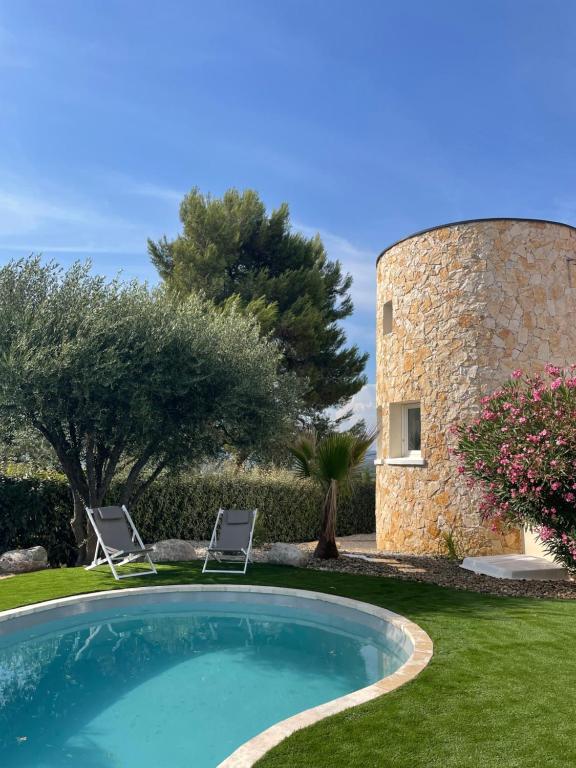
(372, 119)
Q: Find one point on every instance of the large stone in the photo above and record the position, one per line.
(172, 550)
(287, 554)
(24, 560)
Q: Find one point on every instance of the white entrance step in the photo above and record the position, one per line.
(515, 567)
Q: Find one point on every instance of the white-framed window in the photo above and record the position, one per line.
(405, 434)
(411, 430)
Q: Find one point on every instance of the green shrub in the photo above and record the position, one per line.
(289, 509)
(36, 509)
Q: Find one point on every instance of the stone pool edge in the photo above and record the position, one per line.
(247, 754)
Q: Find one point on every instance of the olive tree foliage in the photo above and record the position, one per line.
(125, 381)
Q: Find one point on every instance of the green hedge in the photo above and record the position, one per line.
(289, 509)
(37, 510)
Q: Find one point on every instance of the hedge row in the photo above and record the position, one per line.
(37, 510)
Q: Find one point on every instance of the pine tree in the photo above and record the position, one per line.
(232, 250)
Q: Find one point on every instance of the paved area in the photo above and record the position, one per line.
(359, 542)
(516, 567)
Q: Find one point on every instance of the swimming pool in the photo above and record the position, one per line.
(185, 676)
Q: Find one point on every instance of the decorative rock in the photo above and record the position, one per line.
(287, 554)
(24, 560)
(171, 550)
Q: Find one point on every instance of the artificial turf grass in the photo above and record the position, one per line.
(499, 692)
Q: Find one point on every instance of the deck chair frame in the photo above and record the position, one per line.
(115, 558)
(223, 556)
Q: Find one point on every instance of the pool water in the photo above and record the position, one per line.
(173, 685)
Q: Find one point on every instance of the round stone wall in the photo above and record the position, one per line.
(459, 308)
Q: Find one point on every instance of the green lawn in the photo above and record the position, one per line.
(500, 691)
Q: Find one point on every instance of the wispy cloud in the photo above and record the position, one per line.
(363, 406)
(359, 262)
(74, 248)
(127, 185)
(21, 211)
(36, 218)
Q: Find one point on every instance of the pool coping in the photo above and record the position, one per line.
(248, 753)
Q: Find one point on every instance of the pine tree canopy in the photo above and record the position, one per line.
(232, 250)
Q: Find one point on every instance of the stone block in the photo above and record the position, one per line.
(24, 560)
(173, 550)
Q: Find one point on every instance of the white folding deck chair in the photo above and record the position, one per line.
(231, 540)
(118, 541)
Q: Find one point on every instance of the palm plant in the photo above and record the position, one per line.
(333, 462)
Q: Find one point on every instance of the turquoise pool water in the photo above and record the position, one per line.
(174, 684)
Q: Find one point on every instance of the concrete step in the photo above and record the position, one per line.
(515, 567)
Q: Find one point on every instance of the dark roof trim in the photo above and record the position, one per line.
(472, 221)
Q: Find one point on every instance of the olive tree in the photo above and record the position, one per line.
(124, 381)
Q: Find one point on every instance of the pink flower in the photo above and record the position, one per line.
(552, 370)
(556, 384)
(545, 533)
(517, 374)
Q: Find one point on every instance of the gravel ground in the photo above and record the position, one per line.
(447, 573)
(433, 570)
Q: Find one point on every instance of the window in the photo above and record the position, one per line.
(379, 446)
(405, 430)
(571, 264)
(387, 317)
(411, 430)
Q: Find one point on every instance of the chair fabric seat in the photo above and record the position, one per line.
(132, 551)
(118, 541)
(231, 538)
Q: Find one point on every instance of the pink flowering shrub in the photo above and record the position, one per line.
(521, 453)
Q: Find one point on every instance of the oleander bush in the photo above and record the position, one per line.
(521, 452)
(35, 508)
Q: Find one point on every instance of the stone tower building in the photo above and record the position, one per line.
(459, 308)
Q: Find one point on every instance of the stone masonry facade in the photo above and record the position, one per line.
(471, 302)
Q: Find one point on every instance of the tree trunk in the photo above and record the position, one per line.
(78, 524)
(91, 544)
(326, 548)
(84, 535)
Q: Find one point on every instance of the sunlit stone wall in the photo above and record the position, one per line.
(470, 303)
